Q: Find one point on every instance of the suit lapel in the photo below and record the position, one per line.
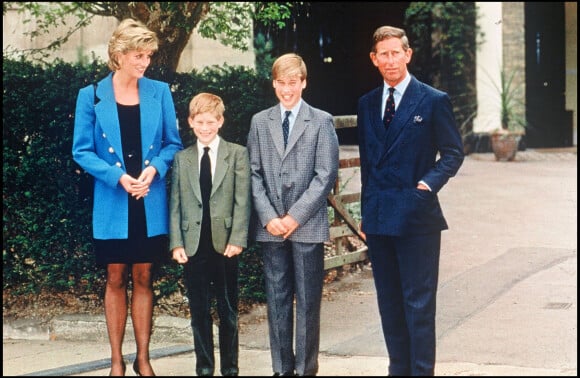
(378, 126)
(300, 124)
(376, 131)
(192, 168)
(276, 130)
(222, 165)
(106, 114)
(150, 110)
(408, 106)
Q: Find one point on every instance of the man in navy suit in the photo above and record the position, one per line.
(406, 158)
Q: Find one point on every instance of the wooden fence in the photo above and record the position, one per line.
(343, 227)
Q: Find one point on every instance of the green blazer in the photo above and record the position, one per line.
(229, 201)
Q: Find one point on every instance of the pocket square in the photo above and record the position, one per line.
(417, 119)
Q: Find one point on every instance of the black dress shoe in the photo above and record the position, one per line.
(204, 372)
(136, 368)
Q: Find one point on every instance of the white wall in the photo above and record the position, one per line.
(202, 52)
(489, 60)
(199, 52)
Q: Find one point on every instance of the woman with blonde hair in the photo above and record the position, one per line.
(125, 136)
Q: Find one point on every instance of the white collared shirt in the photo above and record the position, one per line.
(397, 94)
(213, 148)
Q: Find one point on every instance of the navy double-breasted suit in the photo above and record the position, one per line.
(394, 161)
(403, 224)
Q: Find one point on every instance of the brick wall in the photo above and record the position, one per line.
(514, 47)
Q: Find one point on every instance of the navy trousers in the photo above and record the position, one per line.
(406, 271)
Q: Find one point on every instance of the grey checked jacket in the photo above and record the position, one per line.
(297, 180)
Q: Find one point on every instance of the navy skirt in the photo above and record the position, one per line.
(138, 248)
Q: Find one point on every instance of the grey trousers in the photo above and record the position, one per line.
(294, 269)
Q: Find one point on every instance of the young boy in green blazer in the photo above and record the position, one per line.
(209, 217)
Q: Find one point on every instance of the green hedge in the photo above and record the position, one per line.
(47, 198)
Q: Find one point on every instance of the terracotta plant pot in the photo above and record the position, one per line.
(505, 145)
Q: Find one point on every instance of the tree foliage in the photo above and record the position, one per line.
(443, 37)
(231, 23)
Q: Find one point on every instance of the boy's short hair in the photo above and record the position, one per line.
(289, 65)
(206, 103)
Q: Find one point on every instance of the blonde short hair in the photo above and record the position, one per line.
(289, 65)
(387, 32)
(206, 103)
(130, 35)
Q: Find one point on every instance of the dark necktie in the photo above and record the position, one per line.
(389, 108)
(205, 240)
(205, 179)
(286, 127)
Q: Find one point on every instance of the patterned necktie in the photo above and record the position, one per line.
(205, 178)
(389, 108)
(286, 127)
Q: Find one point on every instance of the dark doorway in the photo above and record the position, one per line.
(548, 125)
(334, 39)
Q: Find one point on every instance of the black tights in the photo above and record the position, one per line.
(116, 311)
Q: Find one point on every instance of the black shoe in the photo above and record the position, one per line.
(230, 372)
(136, 368)
(204, 372)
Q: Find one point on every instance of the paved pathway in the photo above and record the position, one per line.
(507, 301)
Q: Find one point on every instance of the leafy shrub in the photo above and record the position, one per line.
(47, 197)
(46, 212)
(243, 93)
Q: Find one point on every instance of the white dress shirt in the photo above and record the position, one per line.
(213, 148)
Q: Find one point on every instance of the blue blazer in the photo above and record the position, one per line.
(421, 143)
(98, 150)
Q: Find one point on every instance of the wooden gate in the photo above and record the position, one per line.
(348, 246)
